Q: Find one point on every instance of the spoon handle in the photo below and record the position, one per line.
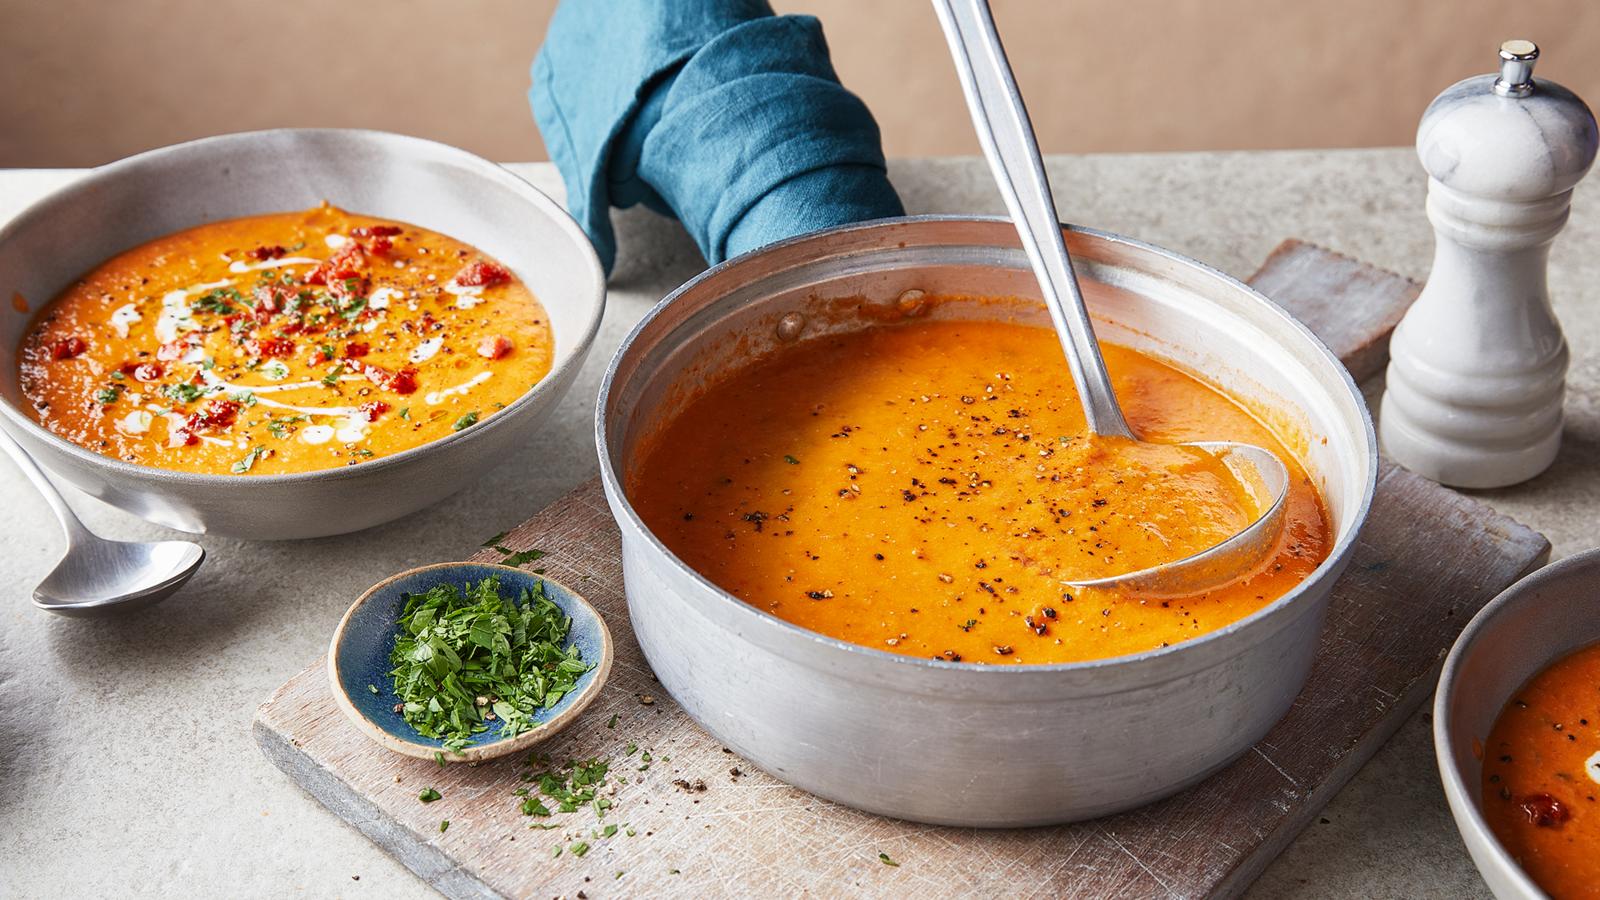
(1008, 142)
(69, 520)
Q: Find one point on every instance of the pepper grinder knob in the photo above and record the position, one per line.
(1477, 368)
(1516, 68)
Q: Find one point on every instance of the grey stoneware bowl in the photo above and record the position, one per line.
(135, 200)
(962, 743)
(1533, 623)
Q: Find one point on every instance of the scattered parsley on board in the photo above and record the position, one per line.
(464, 659)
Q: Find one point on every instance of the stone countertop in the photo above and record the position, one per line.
(125, 748)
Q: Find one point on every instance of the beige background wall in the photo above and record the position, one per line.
(86, 81)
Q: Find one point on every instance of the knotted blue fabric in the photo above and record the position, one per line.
(717, 112)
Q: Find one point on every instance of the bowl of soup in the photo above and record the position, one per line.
(854, 486)
(1516, 729)
(289, 334)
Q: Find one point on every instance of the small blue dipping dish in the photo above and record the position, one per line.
(359, 657)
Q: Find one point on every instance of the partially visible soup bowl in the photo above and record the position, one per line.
(1519, 634)
(441, 188)
(960, 743)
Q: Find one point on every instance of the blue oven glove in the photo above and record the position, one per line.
(716, 111)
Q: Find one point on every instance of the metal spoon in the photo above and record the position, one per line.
(1008, 142)
(97, 576)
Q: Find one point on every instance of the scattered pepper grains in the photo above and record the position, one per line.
(930, 467)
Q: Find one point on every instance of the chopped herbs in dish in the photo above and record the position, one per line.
(464, 660)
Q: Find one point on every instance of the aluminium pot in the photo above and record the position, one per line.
(965, 743)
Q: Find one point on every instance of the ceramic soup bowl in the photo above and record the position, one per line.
(135, 200)
(1533, 623)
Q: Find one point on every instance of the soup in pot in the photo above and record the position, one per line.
(928, 487)
(283, 343)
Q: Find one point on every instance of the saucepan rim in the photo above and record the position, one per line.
(403, 145)
(1335, 559)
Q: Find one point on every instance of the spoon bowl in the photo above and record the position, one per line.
(97, 576)
(1004, 130)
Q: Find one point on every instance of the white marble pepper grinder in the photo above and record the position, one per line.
(1478, 365)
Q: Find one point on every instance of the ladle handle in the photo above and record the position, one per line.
(1007, 138)
(69, 520)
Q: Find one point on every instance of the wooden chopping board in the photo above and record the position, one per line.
(1393, 616)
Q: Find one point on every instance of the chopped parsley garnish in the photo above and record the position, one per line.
(531, 806)
(354, 308)
(570, 787)
(405, 412)
(466, 421)
(580, 848)
(217, 301)
(244, 465)
(279, 428)
(790, 460)
(108, 396)
(184, 392)
(517, 559)
(429, 795)
(332, 378)
(884, 858)
(465, 658)
(118, 376)
(444, 826)
(247, 398)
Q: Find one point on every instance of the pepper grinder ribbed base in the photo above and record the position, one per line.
(1478, 365)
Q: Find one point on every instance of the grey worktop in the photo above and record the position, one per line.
(126, 763)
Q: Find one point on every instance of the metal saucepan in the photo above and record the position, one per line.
(961, 743)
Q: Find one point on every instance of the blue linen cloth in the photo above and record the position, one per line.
(716, 111)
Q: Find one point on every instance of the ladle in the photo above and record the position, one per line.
(1008, 142)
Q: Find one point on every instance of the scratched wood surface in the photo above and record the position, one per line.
(1427, 560)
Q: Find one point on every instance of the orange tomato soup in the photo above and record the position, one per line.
(1541, 776)
(926, 488)
(282, 343)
